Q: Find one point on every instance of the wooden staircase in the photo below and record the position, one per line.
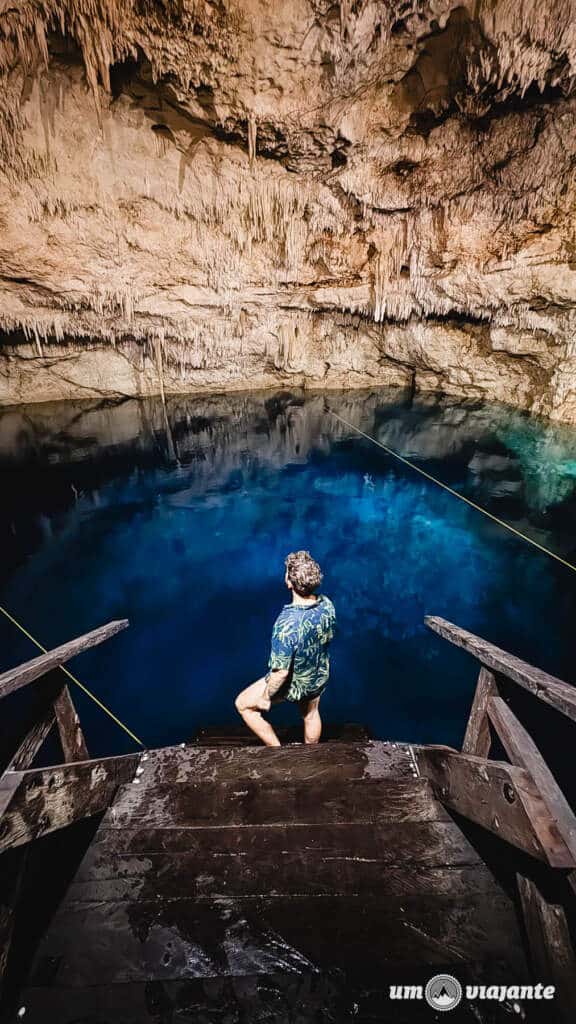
(231, 884)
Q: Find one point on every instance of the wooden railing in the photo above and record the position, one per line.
(57, 708)
(519, 800)
(34, 802)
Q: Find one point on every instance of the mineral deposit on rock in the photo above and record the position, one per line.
(222, 194)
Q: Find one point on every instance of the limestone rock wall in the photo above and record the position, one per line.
(221, 194)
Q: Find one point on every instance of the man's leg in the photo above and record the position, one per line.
(249, 704)
(312, 721)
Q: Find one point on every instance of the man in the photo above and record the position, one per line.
(299, 664)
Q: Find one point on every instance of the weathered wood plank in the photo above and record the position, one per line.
(307, 995)
(372, 759)
(522, 751)
(438, 843)
(45, 799)
(500, 797)
(555, 692)
(9, 783)
(32, 742)
(21, 675)
(251, 803)
(121, 942)
(198, 1000)
(272, 855)
(254, 860)
(477, 739)
(69, 728)
(551, 951)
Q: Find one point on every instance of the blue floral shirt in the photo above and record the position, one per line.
(300, 640)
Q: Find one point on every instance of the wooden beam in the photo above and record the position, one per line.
(555, 692)
(46, 799)
(8, 785)
(69, 728)
(499, 797)
(38, 718)
(551, 951)
(478, 739)
(31, 670)
(522, 751)
(32, 742)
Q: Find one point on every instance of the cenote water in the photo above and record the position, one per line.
(179, 519)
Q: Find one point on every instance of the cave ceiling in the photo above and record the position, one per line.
(203, 195)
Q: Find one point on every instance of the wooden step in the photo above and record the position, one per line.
(303, 997)
(118, 942)
(371, 759)
(254, 860)
(240, 735)
(194, 804)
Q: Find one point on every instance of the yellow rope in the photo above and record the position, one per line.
(456, 494)
(73, 678)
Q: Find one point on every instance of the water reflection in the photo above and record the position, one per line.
(179, 520)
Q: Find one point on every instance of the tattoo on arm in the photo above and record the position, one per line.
(275, 682)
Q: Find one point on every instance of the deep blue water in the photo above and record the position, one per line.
(181, 522)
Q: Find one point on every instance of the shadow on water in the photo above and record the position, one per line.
(99, 522)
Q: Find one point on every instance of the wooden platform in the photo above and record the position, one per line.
(241, 885)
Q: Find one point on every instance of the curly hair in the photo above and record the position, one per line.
(303, 572)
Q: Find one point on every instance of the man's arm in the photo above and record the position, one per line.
(283, 649)
(276, 679)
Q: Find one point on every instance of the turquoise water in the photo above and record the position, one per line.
(180, 521)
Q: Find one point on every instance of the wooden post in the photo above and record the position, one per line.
(69, 728)
(33, 740)
(551, 952)
(522, 751)
(478, 739)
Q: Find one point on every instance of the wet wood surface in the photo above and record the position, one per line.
(250, 803)
(304, 996)
(175, 875)
(115, 942)
(312, 874)
(372, 759)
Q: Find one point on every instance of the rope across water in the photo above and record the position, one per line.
(389, 451)
(66, 672)
(455, 494)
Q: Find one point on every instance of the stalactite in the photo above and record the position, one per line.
(252, 137)
(360, 208)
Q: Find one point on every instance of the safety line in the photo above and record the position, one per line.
(456, 494)
(73, 678)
